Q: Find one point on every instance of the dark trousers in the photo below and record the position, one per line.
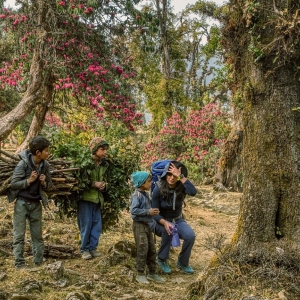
(146, 252)
(185, 232)
(31, 211)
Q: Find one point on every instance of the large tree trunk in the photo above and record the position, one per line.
(34, 92)
(263, 49)
(271, 151)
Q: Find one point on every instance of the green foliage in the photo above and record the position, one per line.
(188, 83)
(123, 158)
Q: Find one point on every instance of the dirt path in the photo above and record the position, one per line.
(112, 275)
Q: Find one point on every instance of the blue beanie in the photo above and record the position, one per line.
(139, 178)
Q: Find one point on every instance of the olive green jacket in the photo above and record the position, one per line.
(97, 174)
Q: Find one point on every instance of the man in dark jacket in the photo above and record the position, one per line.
(30, 177)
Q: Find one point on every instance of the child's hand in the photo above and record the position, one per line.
(43, 179)
(153, 211)
(100, 185)
(33, 176)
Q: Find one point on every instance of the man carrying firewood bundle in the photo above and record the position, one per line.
(89, 207)
(30, 177)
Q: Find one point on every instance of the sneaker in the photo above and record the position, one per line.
(95, 253)
(142, 279)
(185, 269)
(163, 265)
(154, 277)
(86, 255)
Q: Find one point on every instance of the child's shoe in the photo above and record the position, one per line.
(95, 253)
(86, 255)
(142, 279)
(156, 278)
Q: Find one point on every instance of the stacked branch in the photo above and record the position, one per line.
(60, 170)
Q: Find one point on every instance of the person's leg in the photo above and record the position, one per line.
(35, 227)
(187, 234)
(141, 241)
(164, 249)
(151, 255)
(84, 220)
(19, 225)
(96, 226)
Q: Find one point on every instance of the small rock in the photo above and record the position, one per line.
(96, 277)
(56, 269)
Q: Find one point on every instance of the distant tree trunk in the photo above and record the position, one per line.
(229, 175)
(162, 13)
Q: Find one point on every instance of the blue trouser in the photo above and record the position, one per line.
(185, 232)
(90, 224)
(32, 211)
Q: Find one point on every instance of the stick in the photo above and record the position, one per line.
(9, 155)
(63, 170)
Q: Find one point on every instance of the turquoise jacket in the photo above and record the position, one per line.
(97, 174)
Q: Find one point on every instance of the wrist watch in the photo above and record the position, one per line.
(180, 176)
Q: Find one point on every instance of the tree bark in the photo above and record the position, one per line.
(39, 116)
(229, 175)
(271, 151)
(261, 46)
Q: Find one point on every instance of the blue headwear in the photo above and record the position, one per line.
(139, 178)
(177, 164)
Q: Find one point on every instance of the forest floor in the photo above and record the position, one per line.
(112, 276)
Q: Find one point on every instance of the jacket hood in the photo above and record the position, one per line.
(24, 155)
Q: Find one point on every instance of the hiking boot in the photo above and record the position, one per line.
(163, 265)
(154, 277)
(185, 269)
(142, 279)
(86, 255)
(95, 253)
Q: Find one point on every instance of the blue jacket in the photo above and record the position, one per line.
(140, 205)
(171, 207)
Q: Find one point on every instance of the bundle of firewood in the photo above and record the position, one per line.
(60, 170)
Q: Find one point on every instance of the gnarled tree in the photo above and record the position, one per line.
(70, 47)
(261, 40)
